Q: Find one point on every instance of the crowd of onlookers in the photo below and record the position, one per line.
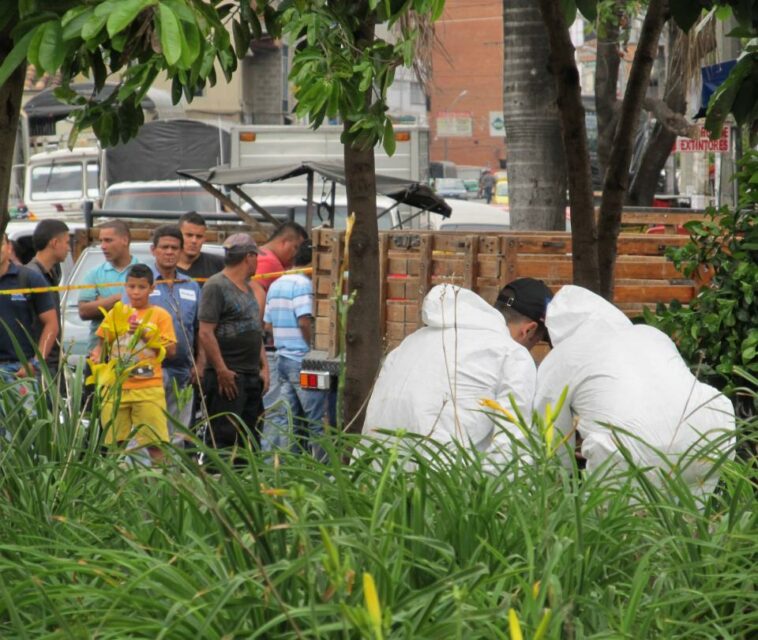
(187, 335)
(193, 334)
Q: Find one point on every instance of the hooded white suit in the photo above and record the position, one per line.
(631, 377)
(432, 384)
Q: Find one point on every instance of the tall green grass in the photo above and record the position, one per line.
(92, 547)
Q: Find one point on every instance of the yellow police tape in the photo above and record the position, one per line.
(74, 287)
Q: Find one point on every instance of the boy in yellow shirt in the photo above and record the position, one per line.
(135, 339)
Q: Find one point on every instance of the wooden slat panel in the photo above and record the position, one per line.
(664, 217)
(447, 267)
(631, 244)
(509, 247)
(426, 247)
(470, 266)
(561, 268)
(653, 293)
(489, 265)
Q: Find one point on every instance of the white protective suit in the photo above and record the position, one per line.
(632, 377)
(433, 382)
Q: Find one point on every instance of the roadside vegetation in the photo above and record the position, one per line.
(100, 546)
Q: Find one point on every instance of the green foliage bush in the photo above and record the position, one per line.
(94, 547)
(717, 333)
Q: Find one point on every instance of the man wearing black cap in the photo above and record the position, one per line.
(434, 383)
(231, 338)
(523, 302)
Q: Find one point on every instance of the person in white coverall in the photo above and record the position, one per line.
(631, 377)
(432, 384)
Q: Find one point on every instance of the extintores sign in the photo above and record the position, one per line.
(704, 143)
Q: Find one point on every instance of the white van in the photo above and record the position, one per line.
(58, 182)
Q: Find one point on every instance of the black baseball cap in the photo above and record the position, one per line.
(527, 296)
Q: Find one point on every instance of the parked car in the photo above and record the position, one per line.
(500, 197)
(473, 216)
(75, 331)
(451, 188)
(159, 195)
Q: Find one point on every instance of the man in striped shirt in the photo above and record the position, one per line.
(289, 313)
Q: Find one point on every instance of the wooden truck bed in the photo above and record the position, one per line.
(412, 262)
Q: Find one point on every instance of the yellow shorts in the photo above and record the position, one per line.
(141, 415)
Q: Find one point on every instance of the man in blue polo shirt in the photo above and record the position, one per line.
(289, 313)
(106, 279)
(180, 299)
(24, 316)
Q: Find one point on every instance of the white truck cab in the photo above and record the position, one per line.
(58, 182)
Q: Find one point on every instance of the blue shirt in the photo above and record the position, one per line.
(99, 276)
(21, 311)
(289, 298)
(181, 300)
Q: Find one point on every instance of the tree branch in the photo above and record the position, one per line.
(674, 122)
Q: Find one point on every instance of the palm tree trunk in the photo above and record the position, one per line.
(536, 161)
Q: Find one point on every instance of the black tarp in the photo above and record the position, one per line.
(164, 147)
(407, 192)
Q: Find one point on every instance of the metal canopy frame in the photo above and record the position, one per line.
(407, 192)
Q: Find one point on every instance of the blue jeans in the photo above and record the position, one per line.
(25, 388)
(298, 413)
(178, 407)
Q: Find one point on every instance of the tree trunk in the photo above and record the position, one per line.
(363, 339)
(562, 67)
(617, 175)
(536, 160)
(10, 109)
(606, 85)
(658, 149)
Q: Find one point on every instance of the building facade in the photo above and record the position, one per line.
(466, 91)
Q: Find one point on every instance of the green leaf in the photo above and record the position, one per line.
(685, 12)
(93, 26)
(33, 53)
(74, 21)
(241, 35)
(388, 139)
(588, 8)
(171, 36)
(723, 98)
(16, 56)
(51, 50)
(191, 43)
(124, 14)
(569, 11)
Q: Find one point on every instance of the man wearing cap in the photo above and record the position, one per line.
(230, 335)
(434, 383)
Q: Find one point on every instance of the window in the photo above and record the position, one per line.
(57, 181)
(417, 94)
